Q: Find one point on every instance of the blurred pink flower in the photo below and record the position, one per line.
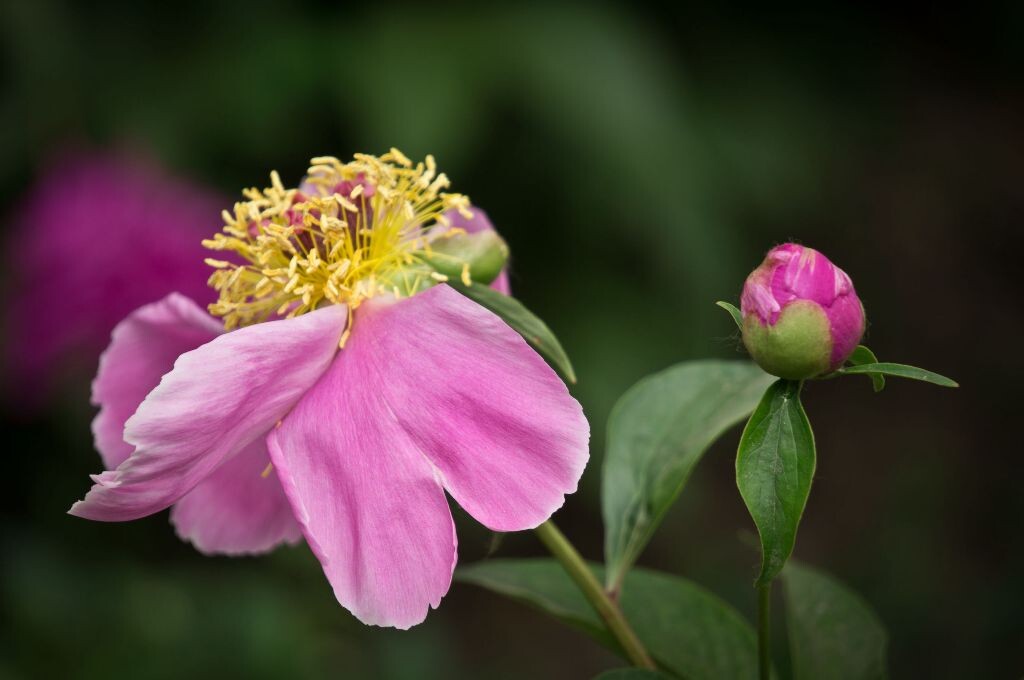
(272, 432)
(97, 236)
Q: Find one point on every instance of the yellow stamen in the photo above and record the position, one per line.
(348, 236)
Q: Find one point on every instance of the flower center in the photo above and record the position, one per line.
(349, 232)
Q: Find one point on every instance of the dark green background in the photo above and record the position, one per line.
(639, 162)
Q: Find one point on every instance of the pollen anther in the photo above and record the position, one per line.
(347, 234)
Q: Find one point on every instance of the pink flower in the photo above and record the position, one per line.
(801, 315)
(97, 236)
(271, 432)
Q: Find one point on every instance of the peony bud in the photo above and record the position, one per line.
(801, 315)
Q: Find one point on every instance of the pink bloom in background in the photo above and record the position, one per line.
(272, 432)
(97, 236)
(802, 316)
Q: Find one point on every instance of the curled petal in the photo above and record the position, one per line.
(806, 274)
(216, 401)
(142, 348)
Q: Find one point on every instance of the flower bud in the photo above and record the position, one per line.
(801, 315)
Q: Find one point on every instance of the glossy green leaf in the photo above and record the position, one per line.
(657, 432)
(523, 321)
(862, 355)
(774, 468)
(737, 316)
(687, 630)
(833, 633)
(899, 371)
(632, 674)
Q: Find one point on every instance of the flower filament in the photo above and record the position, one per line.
(350, 232)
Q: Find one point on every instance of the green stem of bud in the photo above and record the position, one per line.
(764, 650)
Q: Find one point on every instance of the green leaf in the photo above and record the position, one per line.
(657, 432)
(687, 630)
(737, 316)
(523, 321)
(899, 371)
(632, 674)
(863, 355)
(774, 468)
(833, 633)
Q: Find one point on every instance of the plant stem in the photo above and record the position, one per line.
(764, 652)
(573, 563)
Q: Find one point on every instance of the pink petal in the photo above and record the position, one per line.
(800, 273)
(235, 510)
(502, 284)
(217, 399)
(846, 320)
(238, 509)
(496, 421)
(371, 507)
(430, 390)
(142, 348)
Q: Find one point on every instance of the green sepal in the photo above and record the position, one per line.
(484, 253)
(862, 355)
(409, 280)
(796, 347)
(734, 312)
(899, 371)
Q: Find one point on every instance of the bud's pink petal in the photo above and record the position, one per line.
(757, 297)
(846, 317)
(806, 274)
(792, 273)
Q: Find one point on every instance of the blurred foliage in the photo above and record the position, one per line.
(639, 161)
